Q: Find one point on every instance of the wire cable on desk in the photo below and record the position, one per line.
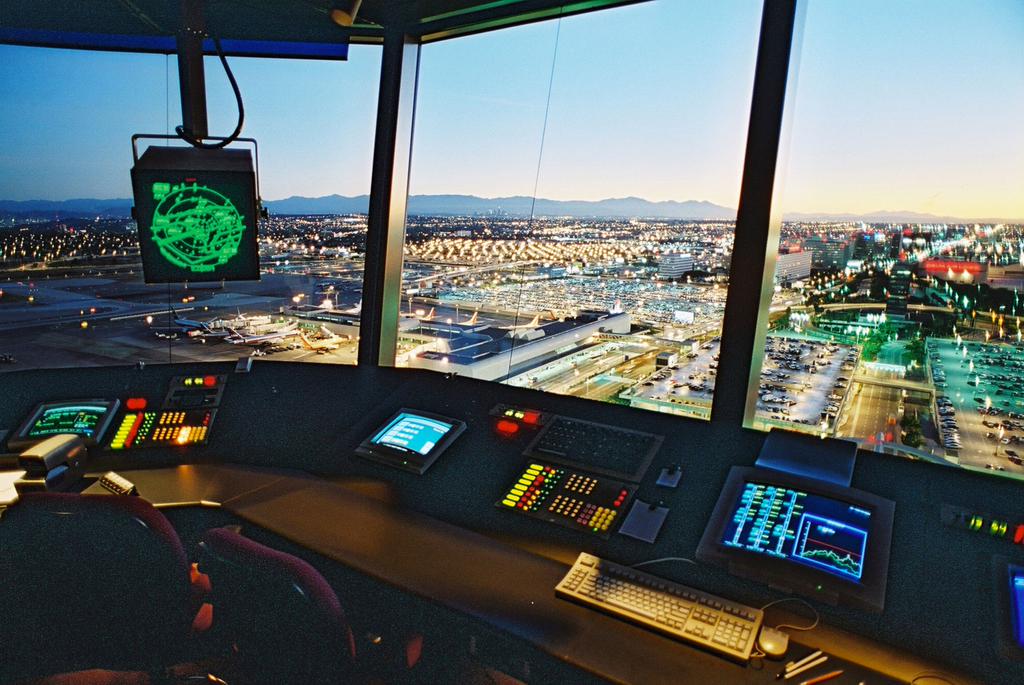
(935, 676)
(658, 561)
(817, 616)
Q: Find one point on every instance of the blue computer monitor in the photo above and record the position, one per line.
(1016, 578)
(1009, 606)
(411, 439)
(816, 538)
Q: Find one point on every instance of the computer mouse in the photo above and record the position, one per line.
(773, 643)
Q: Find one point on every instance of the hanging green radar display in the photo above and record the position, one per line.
(197, 215)
(195, 227)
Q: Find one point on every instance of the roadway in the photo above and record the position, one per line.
(871, 408)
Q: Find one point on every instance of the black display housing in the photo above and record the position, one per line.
(21, 439)
(1006, 608)
(789, 576)
(409, 460)
(196, 212)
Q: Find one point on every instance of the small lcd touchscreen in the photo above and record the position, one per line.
(87, 418)
(411, 440)
(412, 433)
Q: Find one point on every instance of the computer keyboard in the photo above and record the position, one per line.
(725, 627)
(596, 447)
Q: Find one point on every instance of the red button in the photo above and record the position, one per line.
(1018, 535)
(507, 428)
(135, 403)
(210, 381)
(531, 417)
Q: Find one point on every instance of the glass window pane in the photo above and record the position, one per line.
(900, 264)
(71, 287)
(573, 199)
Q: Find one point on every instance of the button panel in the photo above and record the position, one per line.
(568, 497)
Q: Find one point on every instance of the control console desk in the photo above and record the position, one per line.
(282, 456)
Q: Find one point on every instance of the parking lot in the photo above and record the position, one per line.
(980, 402)
(802, 381)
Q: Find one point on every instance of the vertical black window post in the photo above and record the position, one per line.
(389, 194)
(757, 231)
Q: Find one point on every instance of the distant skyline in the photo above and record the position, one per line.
(471, 205)
(911, 105)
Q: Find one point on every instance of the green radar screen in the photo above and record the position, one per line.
(195, 227)
(196, 214)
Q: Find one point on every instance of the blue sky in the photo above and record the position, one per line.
(901, 104)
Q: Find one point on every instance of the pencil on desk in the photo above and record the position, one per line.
(822, 678)
(806, 667)
(793, 665)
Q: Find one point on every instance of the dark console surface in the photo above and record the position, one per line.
(939, 606)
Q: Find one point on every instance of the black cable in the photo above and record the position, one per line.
(195, 142)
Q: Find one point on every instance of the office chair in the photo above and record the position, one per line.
(280, 616)
(90, 581)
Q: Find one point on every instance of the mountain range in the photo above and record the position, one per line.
(471, 205)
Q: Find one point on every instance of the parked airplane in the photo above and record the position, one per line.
(324, 345)
(521, 327)
(238, 338)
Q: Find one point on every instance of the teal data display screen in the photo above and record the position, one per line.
(411, 440)
(80, 419)
(813, 530)
(89, 419)
(197, 215)
(409, 432)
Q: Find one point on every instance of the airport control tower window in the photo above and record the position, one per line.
(572, 202)
(899, 279)
(71, 287)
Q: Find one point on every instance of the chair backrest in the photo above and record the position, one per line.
(89, 581)
(280, 613)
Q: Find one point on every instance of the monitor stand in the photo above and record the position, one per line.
(825, 459)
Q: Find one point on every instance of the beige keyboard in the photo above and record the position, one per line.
(680, 612)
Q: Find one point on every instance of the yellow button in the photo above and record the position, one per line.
(509, 503)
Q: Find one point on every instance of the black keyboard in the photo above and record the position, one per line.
(596, 447)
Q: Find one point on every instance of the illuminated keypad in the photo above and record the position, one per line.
(567, 497)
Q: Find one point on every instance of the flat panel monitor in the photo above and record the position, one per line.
(1010, 606)
(88, 418)
(1016, 583)
(411, 440)
(815, 538)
